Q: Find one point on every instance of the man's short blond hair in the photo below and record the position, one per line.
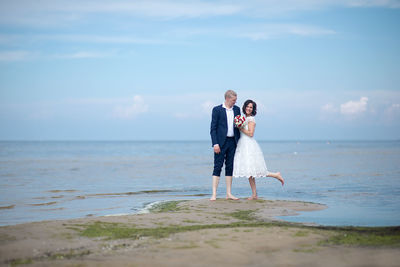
(230, 94)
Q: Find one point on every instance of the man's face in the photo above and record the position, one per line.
(230, 101)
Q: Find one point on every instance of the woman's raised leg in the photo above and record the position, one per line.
(276, 175)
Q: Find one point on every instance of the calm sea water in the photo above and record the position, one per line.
(358, 181)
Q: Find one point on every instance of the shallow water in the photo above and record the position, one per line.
(359, 181)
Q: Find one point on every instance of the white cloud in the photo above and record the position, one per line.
(278, 7)
(374, 3)
(10, 56)
(98, 101)
(182, 115)
(249, 31)
(137, 107)
(329, 108)
(15, 55)
(182, 106)
(81, 55)
(61, 12)
(49, 13)
(269, 31)
(394, 107)
(100, 39)
(199, 110)
(272, 104)
(392, 112)
(207, 107)
(354, 107)
(153, 8)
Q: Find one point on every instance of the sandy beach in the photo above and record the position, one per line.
(199, 233)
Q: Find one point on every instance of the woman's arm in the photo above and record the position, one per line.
(250, 131)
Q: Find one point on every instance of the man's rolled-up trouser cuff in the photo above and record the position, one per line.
(218, 162)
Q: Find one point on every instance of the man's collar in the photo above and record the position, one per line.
(225, 107)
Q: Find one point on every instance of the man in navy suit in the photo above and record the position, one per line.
(224, 137)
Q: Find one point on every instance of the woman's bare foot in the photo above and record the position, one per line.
(231, 197)
(213, 198)
(253, 198)
(279, 177)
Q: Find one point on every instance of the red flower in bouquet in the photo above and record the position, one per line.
(239, 121)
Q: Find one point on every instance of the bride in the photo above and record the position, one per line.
(249, 159)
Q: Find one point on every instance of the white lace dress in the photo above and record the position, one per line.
(249, 159)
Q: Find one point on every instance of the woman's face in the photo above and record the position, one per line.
(249, 109)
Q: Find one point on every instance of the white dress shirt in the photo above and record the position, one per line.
(229, 116)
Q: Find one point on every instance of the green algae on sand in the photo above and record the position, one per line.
(366, 236)
(168, 206)
(244, 215)
(383, 236)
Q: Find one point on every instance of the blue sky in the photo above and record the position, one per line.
(153, 70)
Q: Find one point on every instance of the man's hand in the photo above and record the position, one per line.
(217, 150)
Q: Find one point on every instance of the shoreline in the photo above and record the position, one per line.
(148, 207)
(175, 233)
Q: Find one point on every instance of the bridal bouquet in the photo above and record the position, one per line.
(239, 121)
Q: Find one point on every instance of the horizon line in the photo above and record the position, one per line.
(195, 140)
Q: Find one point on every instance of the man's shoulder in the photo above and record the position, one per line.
(236, 107)
(218, 107)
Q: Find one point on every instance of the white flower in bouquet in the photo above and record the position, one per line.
(239, 121)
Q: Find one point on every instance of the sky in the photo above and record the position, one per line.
(153, 70)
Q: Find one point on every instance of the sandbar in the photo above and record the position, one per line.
(199, 233)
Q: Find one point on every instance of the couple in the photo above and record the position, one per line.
(241, 153)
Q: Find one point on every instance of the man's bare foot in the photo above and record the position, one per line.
(231, 197)
(279, 177)
(213, 198)
(253, 198)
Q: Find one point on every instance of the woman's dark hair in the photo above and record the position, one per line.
(254, 107)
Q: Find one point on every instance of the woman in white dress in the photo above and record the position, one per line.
(249, 159)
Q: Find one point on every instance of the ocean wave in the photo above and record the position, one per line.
(148, 207)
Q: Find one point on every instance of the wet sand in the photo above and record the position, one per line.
(199, 233)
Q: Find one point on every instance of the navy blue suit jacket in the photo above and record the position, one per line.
(219, 125)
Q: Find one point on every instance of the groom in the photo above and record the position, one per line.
(224, 137)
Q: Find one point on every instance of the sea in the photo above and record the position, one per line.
(358, 181)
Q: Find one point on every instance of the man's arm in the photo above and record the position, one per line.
(213, 129)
